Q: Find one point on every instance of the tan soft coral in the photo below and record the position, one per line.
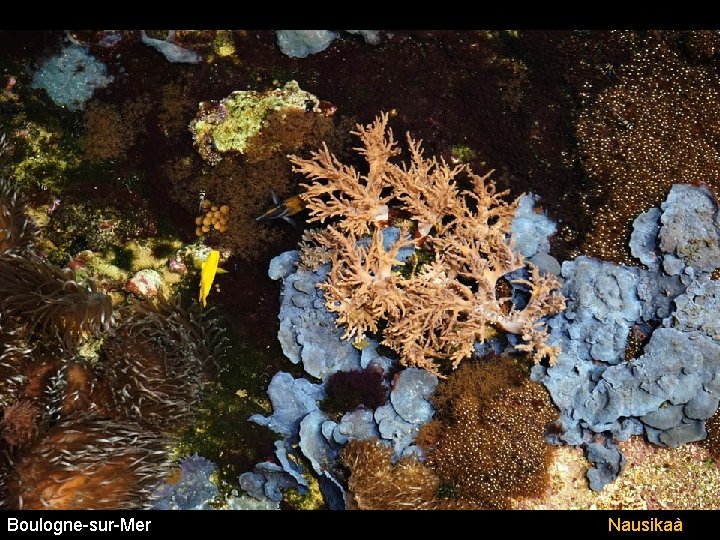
(361, 286)
(426, 189)
(444, 306)
(340, 191)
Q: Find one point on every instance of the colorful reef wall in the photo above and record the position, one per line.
(249, 270)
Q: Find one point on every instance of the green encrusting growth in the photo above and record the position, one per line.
(98, 225)
(231, 124)
(313, 498)
(221, 431)
(43, 138)
(462, 153)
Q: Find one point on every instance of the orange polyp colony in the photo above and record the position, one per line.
(212, 218)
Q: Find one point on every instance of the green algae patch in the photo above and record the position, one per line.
(462, 154)
(221, 431)
(223, 44)
(43, 158)
(230, 124)
(311, 500)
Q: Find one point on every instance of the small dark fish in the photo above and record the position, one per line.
(283, 209)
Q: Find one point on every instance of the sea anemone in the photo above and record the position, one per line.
(174, 327)
(13, 356)
(38, 373)
(150, 385)
(16, 230)
(89, 463)
(155, 362)
(77, 387)
(21, 423)
(50, 301)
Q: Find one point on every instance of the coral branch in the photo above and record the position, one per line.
(339, 191)
(439, 309)
(362, 284)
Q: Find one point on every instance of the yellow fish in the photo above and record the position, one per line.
(207, 275)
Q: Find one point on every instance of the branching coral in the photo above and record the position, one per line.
(439, 311)
(362, 288)
(50, 301)
(340, 191)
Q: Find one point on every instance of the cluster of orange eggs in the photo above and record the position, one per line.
(212, 217)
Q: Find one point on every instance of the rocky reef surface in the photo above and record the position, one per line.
(672, 385)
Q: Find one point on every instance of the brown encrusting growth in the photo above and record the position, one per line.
(245, 182)
(376, 484)
(713, 435)
(245, 188)
(658, 125)
(288, 130)
(487, 441)
(104, 218)
(442, 308)
(111, 131)
(176, 106)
